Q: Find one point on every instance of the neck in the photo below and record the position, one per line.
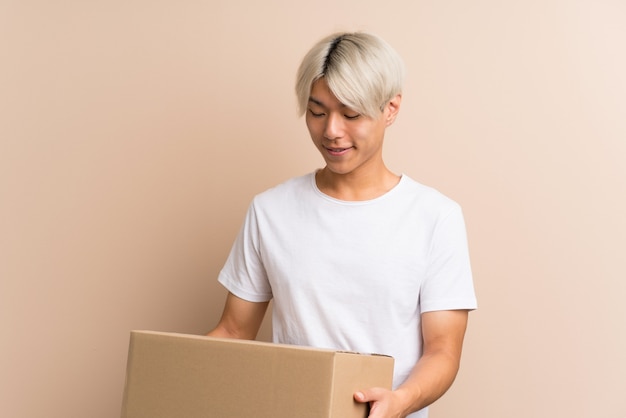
(353, 187)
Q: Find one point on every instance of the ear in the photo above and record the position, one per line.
(392, 108)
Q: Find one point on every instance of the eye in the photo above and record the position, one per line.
(316, 114)
(352, 117)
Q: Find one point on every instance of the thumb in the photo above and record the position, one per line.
(359, 397)
(367, 395)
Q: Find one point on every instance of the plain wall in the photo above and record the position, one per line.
(133, 135)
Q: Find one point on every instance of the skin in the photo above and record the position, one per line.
(351, 145)
(432, 376)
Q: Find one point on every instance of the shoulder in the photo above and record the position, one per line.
(289, 190)
(426, 197)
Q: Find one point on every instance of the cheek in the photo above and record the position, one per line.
(314, 128)
(372, 130)
(363, 132)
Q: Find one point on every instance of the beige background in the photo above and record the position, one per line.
(134, 133)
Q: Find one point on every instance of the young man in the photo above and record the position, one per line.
(354, 256)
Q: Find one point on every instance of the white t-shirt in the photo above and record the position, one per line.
(352, 275)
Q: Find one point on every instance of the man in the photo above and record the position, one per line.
(354, 256)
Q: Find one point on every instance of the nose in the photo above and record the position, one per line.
(334, 127)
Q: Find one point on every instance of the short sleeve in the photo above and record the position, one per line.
(448, 284)
(243, 273)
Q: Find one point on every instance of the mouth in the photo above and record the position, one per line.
(338, 151)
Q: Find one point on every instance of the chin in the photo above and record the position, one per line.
(339, 170)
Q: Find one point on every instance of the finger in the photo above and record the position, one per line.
(359, 397)
(369, 395)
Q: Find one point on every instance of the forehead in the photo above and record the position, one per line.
(321, 95)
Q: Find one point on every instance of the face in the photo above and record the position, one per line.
(349, 142)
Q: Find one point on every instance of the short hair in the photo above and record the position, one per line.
(362, 70)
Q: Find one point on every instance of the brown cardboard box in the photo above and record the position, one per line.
(186, 376)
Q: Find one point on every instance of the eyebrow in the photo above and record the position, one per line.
(320, 103)
(316, 101)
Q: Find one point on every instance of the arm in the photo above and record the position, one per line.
(443, 333)
(240, 319)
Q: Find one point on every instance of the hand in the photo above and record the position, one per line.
(384, 403)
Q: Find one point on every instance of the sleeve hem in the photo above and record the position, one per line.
(244, 294)
(449, 305)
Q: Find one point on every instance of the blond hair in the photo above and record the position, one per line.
(361, 70)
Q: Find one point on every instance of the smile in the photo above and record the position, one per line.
(338, 151)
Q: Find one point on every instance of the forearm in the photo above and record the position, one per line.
(436, 370)
(431, 377)
(221, 331)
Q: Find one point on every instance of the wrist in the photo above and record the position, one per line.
(408, 398)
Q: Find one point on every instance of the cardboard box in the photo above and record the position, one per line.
(186, 376)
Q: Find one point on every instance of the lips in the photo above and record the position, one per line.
(338, 151)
